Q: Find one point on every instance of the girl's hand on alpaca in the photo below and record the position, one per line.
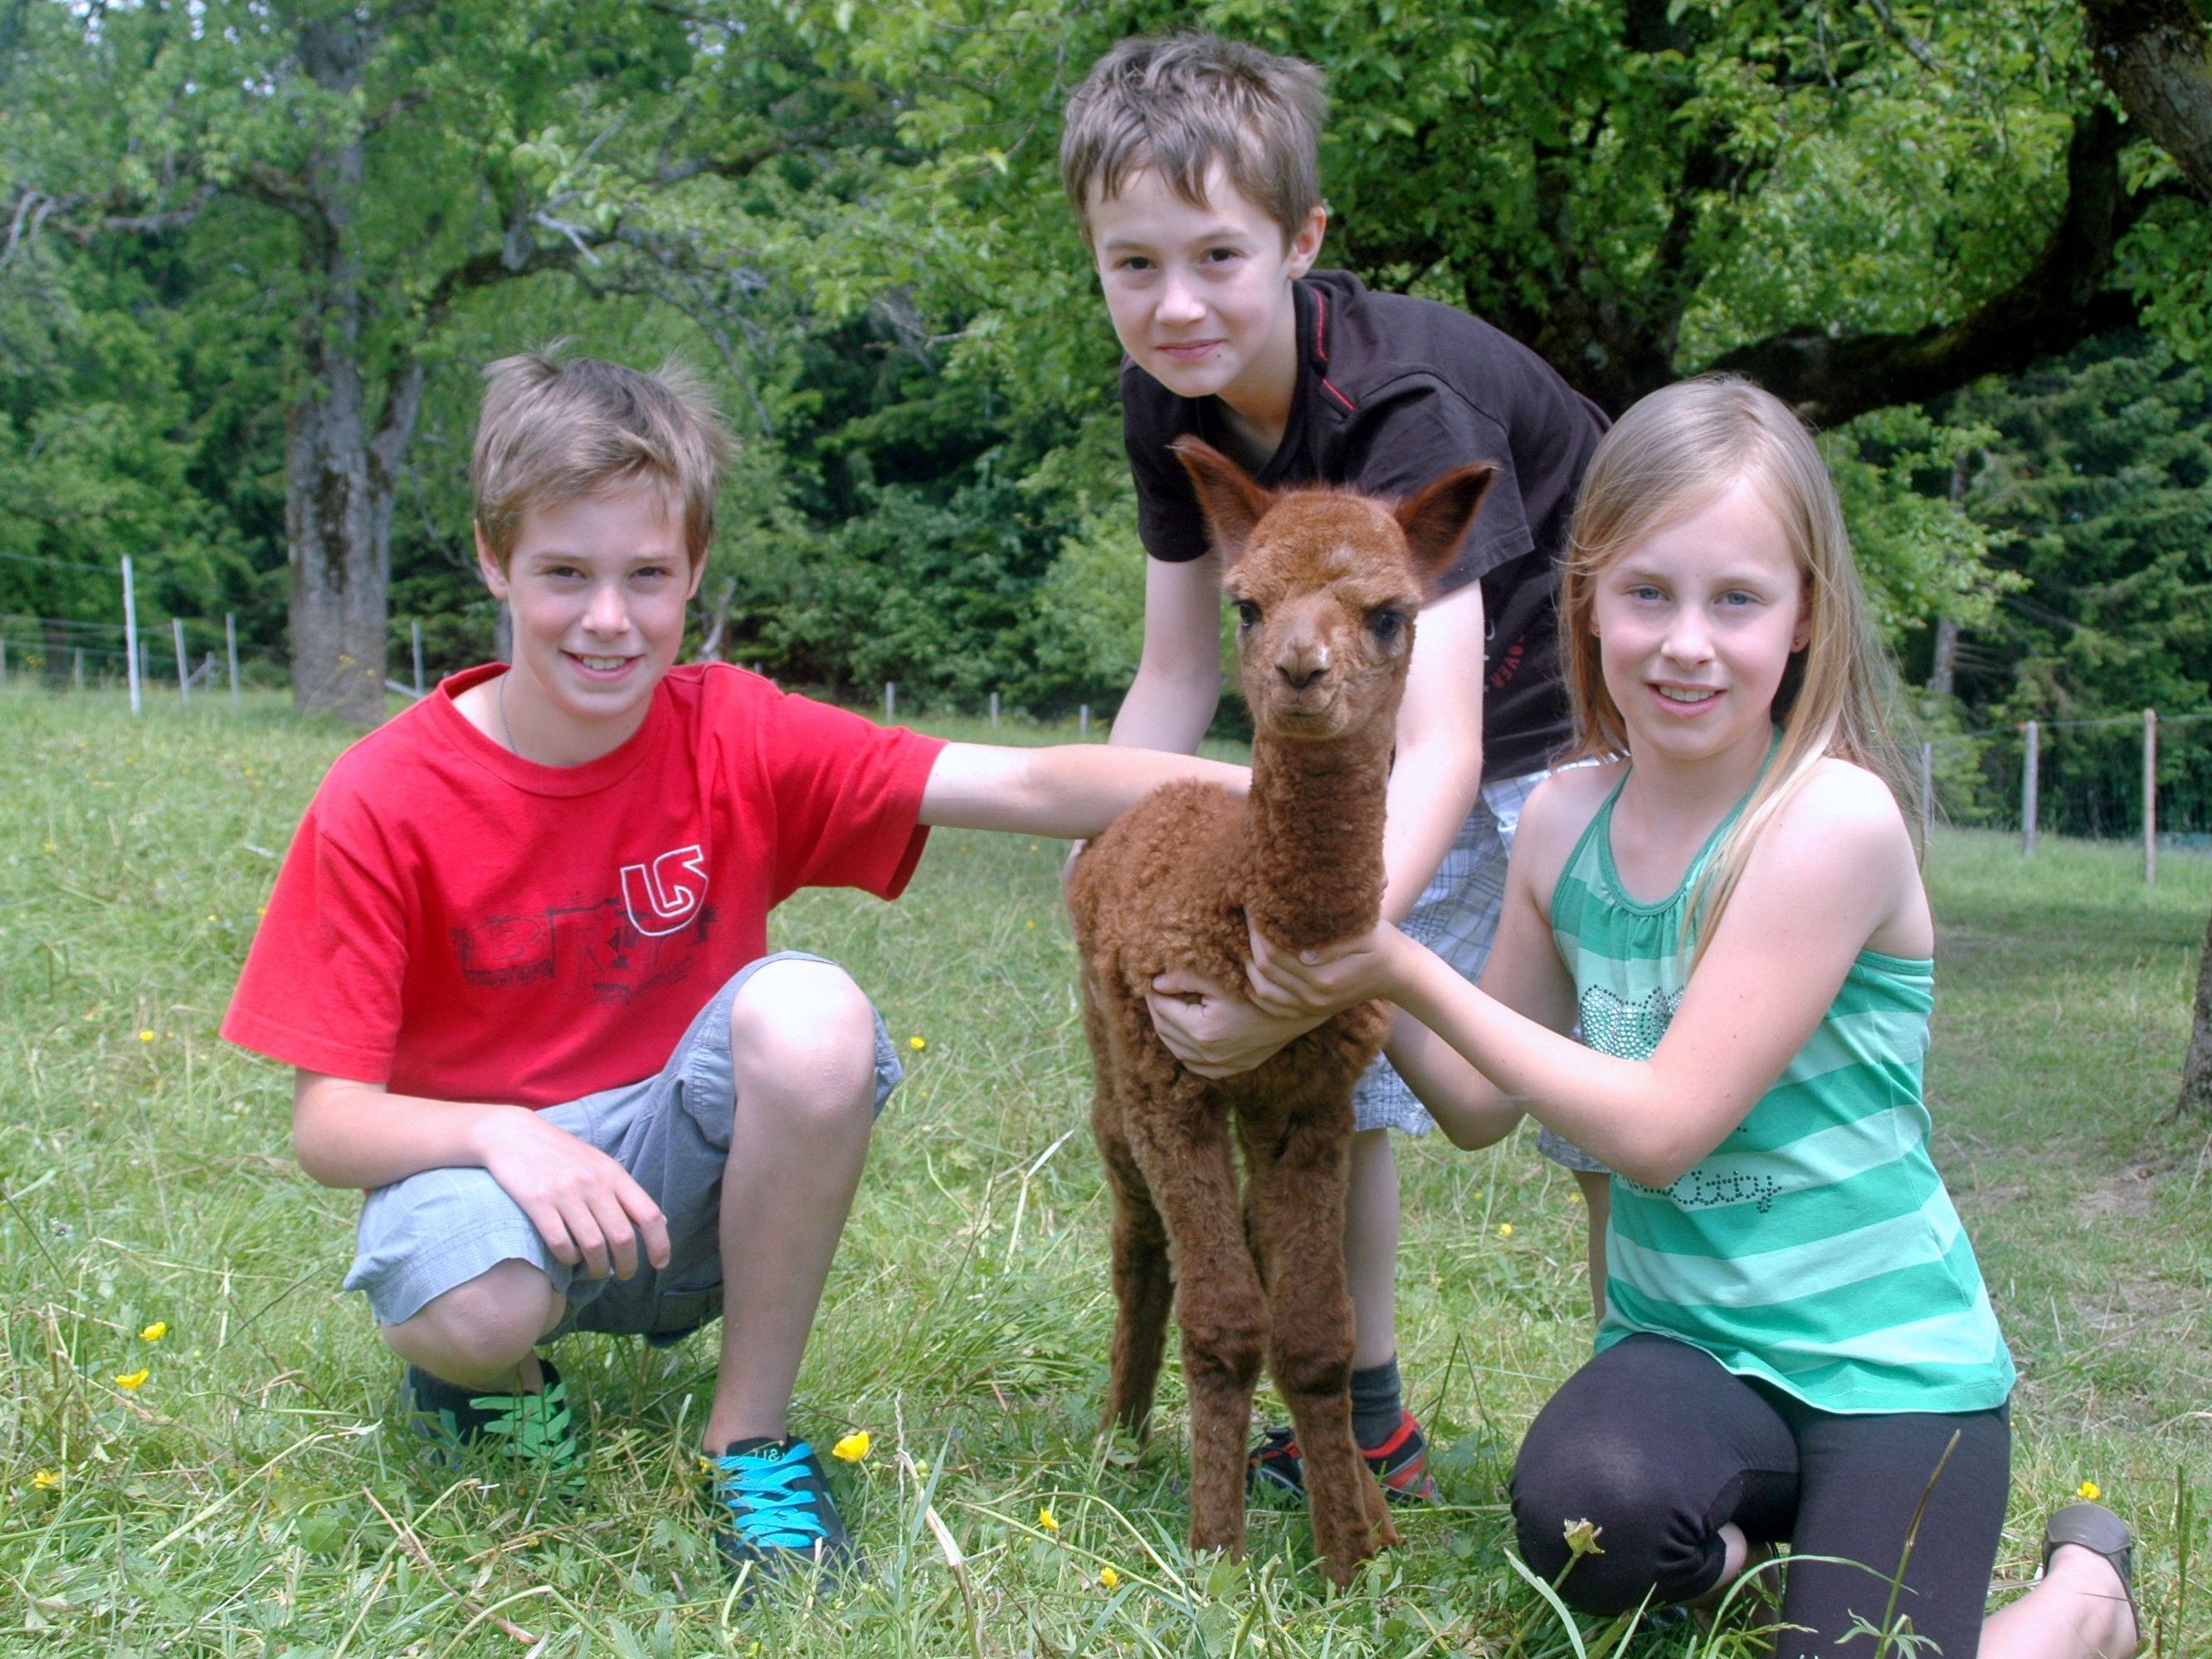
(1315, 983)
(1215, 1034)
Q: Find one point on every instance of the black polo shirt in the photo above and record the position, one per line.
(1393, 392)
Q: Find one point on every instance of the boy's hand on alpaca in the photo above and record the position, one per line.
(585, 1205)
(1214, 1033)
(1313, 984)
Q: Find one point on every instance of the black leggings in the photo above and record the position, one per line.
(1656, 1443)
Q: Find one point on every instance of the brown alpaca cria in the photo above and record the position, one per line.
(1326, 583)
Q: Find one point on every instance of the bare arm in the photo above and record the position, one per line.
(1835, 868)
(1171, 701)
(585, 1206)
(1074, 790)
(1437, 772)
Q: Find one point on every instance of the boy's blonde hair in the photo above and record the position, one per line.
(553, 432)
(1673, 453)
(1179, 104)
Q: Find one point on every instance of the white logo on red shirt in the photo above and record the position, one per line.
(658, 902)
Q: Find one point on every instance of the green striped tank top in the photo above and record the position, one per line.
(1815, 1247)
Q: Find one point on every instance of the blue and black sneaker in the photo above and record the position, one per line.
(774, 1513)
(535, 1432)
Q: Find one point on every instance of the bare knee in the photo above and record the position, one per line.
(803, 1033)
(480, 1331)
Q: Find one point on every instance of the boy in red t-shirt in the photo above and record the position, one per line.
(516, 957)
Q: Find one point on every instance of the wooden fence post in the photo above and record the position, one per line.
(2150, 797)
(995, 711)
(230, 650)
(891, 701)
(1083, 719)
(2032, 759)
(183, 675)
(76, 670)
(415, 631)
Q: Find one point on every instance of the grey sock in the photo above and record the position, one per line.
(1377, 1402)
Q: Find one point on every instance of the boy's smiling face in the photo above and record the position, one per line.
(1200, 295)
(597, 588)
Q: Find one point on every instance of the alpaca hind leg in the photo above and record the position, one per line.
(1143, 1294)
(1184, 1151)
(1299, 1175)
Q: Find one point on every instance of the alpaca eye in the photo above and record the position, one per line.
(1384, 625)
(1248, 614)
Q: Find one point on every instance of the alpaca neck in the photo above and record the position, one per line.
(1315, 824)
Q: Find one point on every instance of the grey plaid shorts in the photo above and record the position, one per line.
(421, 1237)
(1456, 916)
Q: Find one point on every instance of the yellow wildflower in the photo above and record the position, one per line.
(132, 1379)
(154, 1332)
(45, 1480)
(917, 1043)
(1046, 1519)
(2089, 1490)
(145, 1036)
(1574, 1198)
(1505, 1230)
(1109, 1578)
(854, 1447)
(1028, 924)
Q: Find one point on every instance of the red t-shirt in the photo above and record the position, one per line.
(455, 921)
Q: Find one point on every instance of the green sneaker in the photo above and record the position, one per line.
(774, 1513)
(536, 1431)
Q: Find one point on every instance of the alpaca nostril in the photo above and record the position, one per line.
(1299, 678)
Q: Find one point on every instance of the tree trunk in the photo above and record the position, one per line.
(338, 496)
(2195, 1098)
(2155, 56)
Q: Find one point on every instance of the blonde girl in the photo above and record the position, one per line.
(1728, 901)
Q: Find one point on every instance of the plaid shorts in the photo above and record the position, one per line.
(1456, 916)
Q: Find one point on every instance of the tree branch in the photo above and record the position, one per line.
(2155, 56)
(2061, 300)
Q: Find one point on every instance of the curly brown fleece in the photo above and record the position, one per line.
(1327, 583)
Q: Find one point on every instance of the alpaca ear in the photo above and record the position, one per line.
(1231, 502)
(1436, 518)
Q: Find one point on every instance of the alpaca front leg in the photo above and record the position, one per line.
(1142, 1294)
(1185, 1159)
(1299, 1181)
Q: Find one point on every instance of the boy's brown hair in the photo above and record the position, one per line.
(553, 432)
(1179, 104)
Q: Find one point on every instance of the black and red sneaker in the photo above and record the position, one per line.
(1274, 1470)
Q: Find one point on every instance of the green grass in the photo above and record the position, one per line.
(253, 1497)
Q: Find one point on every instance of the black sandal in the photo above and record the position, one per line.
(2093, 1528)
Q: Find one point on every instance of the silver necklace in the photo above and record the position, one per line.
(506, 730)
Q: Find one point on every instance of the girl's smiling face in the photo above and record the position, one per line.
(1696, 623)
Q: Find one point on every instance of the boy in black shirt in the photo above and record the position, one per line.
(1193, 167)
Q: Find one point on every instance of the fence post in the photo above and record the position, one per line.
(995, 711)
(184, 679)
(1926, 792)
(130, 633)
(76, 670)
(1083, 719)
(891, 701)
(3, 657)
(2032, 760)
(230, 651)
(2150, 797)
(415, 631)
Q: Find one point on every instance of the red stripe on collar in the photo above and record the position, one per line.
(1321, 327)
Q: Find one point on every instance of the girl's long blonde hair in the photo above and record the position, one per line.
(1671, 455)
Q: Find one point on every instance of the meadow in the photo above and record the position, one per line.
(198, 1448)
